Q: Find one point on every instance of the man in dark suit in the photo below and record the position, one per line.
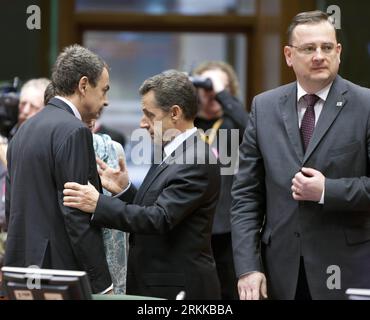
(53, 147)
(170, 218)
(301, 208)
(223, 118)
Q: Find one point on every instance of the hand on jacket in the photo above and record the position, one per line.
(308, 185)
(82, 197)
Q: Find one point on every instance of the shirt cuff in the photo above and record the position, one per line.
(123, 191)
(322, 196)
(247, 273)
(107, 290)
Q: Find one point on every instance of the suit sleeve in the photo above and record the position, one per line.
(183, 194)
(248, 204)
(75, 161)
(234, 110)
(128, 195)
(350, 194)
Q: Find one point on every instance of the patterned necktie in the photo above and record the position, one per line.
(308, 121)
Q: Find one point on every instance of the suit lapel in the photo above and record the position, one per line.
(163, 166)
(288, 109)
(331, 109)
(148, 182)
(55, 102)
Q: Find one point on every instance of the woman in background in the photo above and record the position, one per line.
(115, 241)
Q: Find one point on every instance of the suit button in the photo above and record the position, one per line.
(297, 234)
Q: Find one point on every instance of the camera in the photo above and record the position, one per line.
(9, 100)
(200, 82)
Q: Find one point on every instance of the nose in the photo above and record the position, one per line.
(318, 55)
(26, 108)
(144, 123)
(106, 102)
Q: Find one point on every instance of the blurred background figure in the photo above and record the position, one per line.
(31, 100)
(9, 101)
(219, 108)
(112, 133)
(115, 241)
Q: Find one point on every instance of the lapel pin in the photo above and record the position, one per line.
(339, 104)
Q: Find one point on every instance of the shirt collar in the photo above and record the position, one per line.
(175, 143)
(71, 105)
(322, 94)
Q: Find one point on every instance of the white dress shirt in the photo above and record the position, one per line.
(175, 143)
(71, 105)
(301, 105)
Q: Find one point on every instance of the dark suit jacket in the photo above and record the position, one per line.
(334, 234)
(170, 220)
(51, 148)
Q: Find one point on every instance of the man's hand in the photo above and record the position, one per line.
(252, 286)
(111, 292)
(83, 197)
(308, 185)
(113, 180)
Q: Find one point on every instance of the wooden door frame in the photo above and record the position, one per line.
(254, 28)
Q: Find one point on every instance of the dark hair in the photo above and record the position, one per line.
(310, 17)
(49, 93)
(170, 88)
(71, 65)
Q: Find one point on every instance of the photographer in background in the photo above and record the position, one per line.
(31, 101)
(218, 87)
(8, 117)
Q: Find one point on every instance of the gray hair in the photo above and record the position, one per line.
(39, 84)
(71, 65)
(170, 88)
(310, 17)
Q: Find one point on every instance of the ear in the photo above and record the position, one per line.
(82, 85)
(176, 113)
(339, 51)
(288, 55)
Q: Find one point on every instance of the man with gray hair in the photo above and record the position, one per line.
(51, 148)
(31, 100)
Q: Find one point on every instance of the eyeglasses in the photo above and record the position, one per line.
(309, 49)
